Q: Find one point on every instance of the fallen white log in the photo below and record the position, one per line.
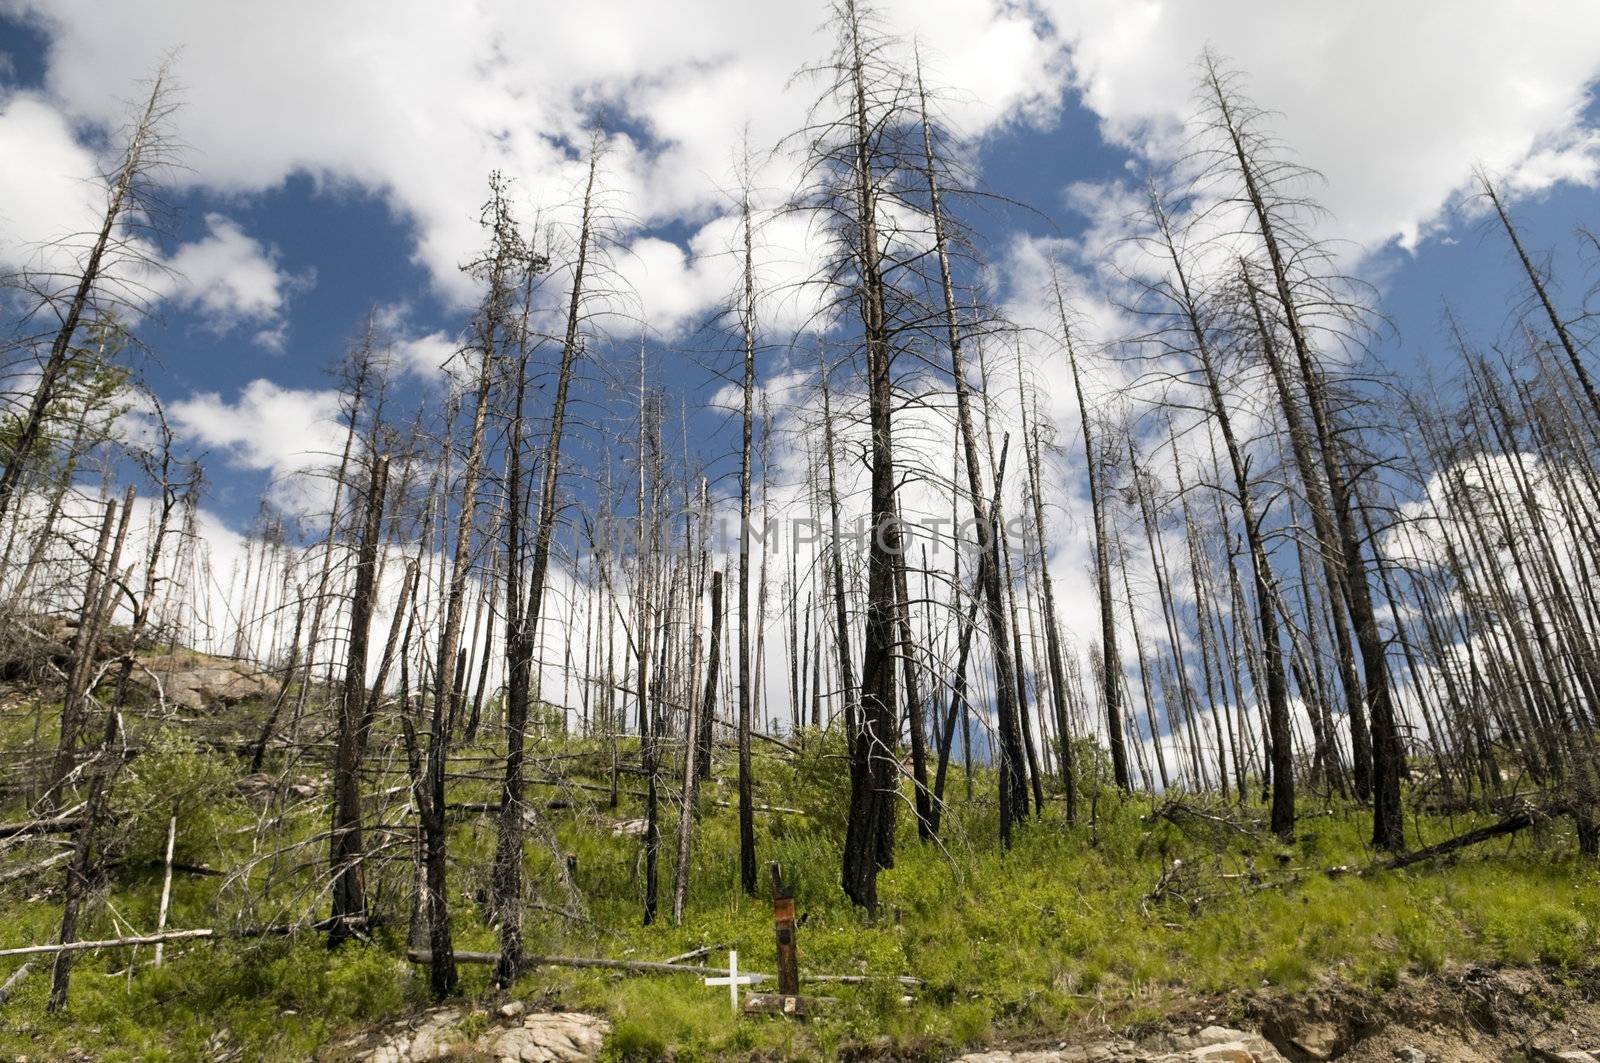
(15, 980)
(114, 943)
(651, 967)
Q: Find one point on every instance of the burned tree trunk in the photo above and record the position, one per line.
(344, 857)
(1013, 786)
(1277, 693)
(1387, 752)
(747, 826)
(104, 764)
(145, 151)
(1110, 662)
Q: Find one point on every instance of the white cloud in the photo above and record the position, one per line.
(418, 101)
(230, 279)
(676, 290)
(1393, 103)
(52, 200)
(48, 190)
(286, 432)
(425, 356)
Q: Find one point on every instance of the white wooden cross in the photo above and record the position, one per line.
(734, 980)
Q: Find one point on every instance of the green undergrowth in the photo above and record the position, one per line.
(1059, 934)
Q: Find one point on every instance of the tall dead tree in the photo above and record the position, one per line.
(697, 718)
(500, 269)
(1110, 662)
(345, 855)
(841, 613)
(522, 619)
(88, 295)
(846, 158)
(747, 325)
(106, 760)
(1541, 290)
(1052, 630)
(1013, 783)
(1186, 301)
(1233, 122)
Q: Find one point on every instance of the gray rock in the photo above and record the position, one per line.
(199, 683)
(1214, 1044)
(543, 1037)
(1319, 1040)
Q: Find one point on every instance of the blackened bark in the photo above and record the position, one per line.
(345, 855)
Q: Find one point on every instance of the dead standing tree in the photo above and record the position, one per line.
(107, 275)
(1242, 156)
(747, 325)
(1110, 662)
(1177, 297)
(846, 163)
(522, 618)
(104, 762)
(501, 269)
(1013, 784)
(345, 856)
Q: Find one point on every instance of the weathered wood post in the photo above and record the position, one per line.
(787, 1000)
(783, 924)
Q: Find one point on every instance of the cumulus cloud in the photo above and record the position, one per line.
(52, 201)
(48, 191)
(230, 280)
(677, 289)
(288, 433)
(1394, 104)
(425, 356)
(419, 101)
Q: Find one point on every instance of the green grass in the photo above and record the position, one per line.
(1032, 942)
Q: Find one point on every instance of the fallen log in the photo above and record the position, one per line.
(862, 979)
(773, 809)
(494, 806)
(694, 954)
(59, 825)
(15, 980)
(357, 922)
(113, 943)
(653, 967)
(34, 869)
(1525, 816)
(1519, 820)
(178, 866)
(640, 966)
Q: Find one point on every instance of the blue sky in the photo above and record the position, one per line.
(343, 164)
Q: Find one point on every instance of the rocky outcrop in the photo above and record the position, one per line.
(1474, 1014)
(512, 1036)
(202, 683)
(1210, 1044)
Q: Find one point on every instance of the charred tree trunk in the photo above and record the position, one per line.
(1013, 786)
(747, 826)
(1110, 663)
(345, 855)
